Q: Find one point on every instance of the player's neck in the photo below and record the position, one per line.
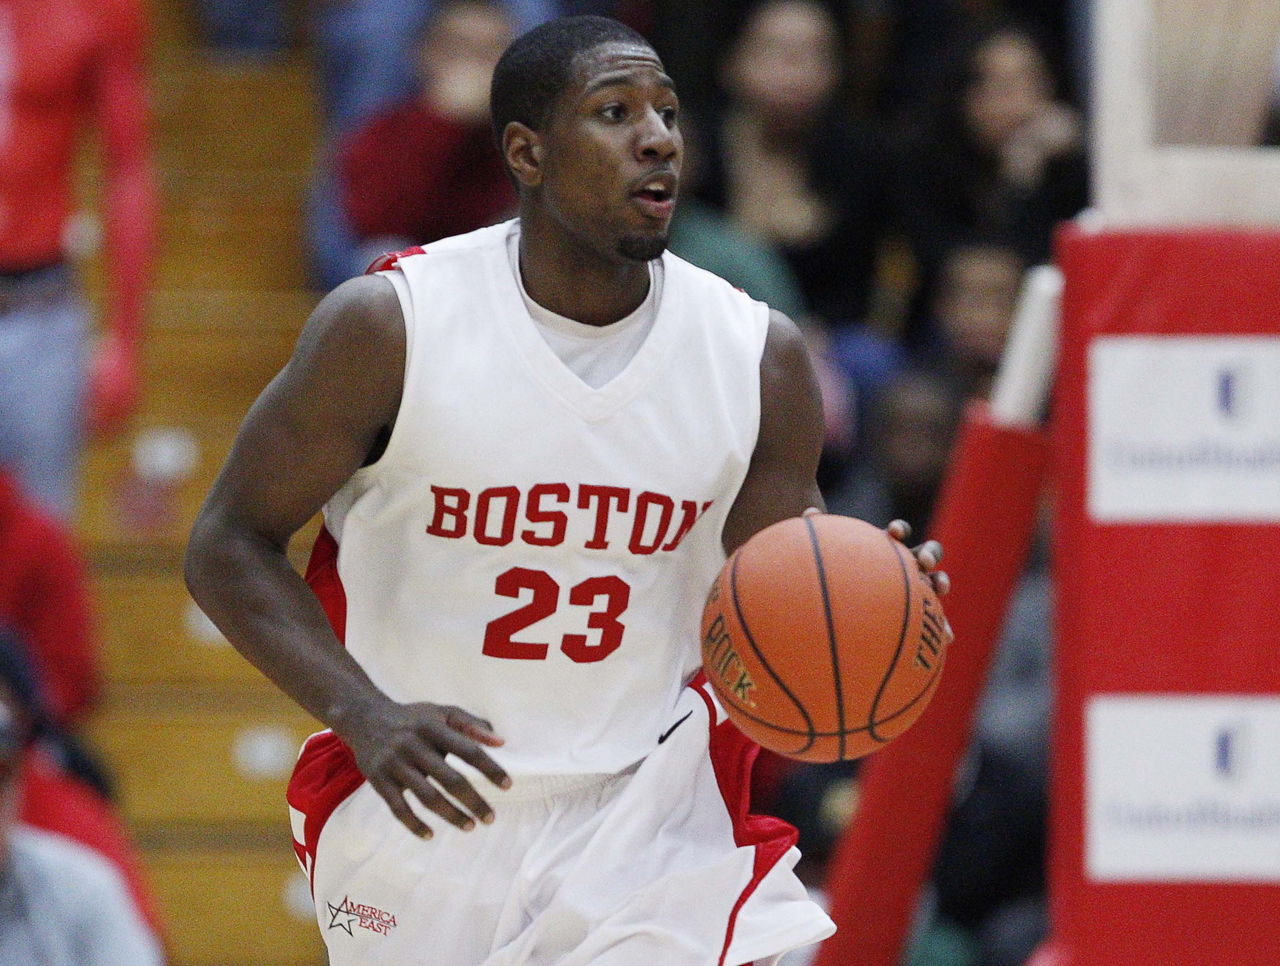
(570, 281)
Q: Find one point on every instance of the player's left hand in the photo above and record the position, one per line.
(114, 386)
(928, 555)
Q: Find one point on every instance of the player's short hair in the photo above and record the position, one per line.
(535, 70)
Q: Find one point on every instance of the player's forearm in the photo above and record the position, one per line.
(251, 592)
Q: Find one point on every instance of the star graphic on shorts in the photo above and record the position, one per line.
(341, 910)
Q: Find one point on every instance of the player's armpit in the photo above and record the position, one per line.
(314, 424)
(781, 481)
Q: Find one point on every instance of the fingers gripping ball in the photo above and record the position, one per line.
(822, 638)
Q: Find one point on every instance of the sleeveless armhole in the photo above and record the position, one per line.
(396, 277)
(759, 337)
(761, 334)
(741, 329)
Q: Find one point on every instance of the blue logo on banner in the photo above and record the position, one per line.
(1227, 391)
(1226, 752)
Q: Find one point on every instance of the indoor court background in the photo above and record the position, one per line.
(200, 743)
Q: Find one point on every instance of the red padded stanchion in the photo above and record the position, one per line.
(985, 520)
(1165, 795)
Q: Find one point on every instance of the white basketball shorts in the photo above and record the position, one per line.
(658, 866)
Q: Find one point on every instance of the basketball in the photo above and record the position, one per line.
(822, 638)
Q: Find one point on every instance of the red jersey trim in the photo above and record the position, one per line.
(326, 771)
(325, 582)
(732, 755)
(388, 260)
(324, 777)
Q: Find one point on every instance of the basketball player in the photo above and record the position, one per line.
(534, 445)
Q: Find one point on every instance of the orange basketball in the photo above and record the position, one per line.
(822, 638)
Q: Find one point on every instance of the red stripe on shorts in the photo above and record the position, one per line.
(324, 776)
(732, 755)
(326, 771)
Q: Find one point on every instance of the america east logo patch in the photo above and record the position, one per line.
(349, 916)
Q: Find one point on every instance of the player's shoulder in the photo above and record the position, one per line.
(362, 315)
(368, 294)
(785, 343)
(481, 241)
(717, 310)
(691, 276)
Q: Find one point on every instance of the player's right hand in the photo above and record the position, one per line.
(401, 748)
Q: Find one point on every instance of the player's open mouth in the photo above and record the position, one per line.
(656, 196)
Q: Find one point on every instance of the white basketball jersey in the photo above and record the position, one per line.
(534, 550)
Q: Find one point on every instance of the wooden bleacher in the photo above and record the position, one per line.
(200, 744)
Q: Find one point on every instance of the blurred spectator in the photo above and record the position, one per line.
(917, 38)
(366, 56)
(703, 236)
(65, 61)
(893, 452)
(690, 38)
(910, 430)
(426, 168)
(900, 45)
(63, 788)
(44, 598)
(974, 305)
(244, 28)
(786, 164)
(61, 903)
(367, 50)
(841, 408)
(999, 158)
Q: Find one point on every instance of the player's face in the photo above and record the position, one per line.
(613, 150)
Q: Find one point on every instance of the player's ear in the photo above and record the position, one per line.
(522, 149)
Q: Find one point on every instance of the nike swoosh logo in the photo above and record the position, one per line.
(667, 734)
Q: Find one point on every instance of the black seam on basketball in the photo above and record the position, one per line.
(829, 734)
(728, 702)
(902, 636)
(905, 708)
(746, 630)
(831, 628)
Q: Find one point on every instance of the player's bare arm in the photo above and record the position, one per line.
(309, 431)
(782, 479)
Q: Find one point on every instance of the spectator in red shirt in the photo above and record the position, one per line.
(44, 598)
(426, 168)
(62, 62)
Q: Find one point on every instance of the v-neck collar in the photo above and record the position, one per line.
(547, 368)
